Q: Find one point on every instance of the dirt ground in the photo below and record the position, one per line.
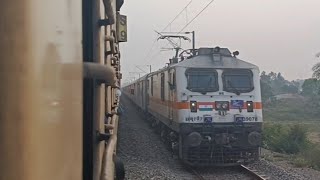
(285, 162)
(314, 137)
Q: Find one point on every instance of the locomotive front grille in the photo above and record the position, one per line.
(221, 145)
(204, 156)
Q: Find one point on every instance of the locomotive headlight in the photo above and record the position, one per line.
(225, 106)
(249, 106)
(222, 105)
(193, 106)
(218, 105)
(194, 139)
(255, 138)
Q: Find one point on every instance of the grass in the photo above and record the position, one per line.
(293, 127)
(285, 139)
(291, 110)
(292, 140)
(308, 158)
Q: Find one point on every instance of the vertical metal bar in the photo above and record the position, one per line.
(193, 43)
(88, 92)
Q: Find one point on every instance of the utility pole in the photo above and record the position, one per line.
(149, 68)
(136, 73)
(143, 71)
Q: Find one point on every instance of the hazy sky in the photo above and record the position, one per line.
(277, 35)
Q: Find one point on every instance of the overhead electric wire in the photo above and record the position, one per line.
(143, 71)
(177, 15)
(196, 16)
(203, 9)
(154, 42)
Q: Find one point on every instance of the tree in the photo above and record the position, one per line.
(265, 83)
(292, 89)
(316, 68)
(311, 87)
(266, 90)
(316, 71)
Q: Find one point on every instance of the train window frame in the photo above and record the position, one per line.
(237, 72)
(162, 86)
(203, 70)
(151, 88)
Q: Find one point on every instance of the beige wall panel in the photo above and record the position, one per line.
(41, 91)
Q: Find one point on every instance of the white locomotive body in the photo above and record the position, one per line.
(208, 107)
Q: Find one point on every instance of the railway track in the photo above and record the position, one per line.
(254, 173)
(243, 169)
(136, 149)
(197, 175)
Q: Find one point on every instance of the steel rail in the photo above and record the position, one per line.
(253, 173)
(194, 172)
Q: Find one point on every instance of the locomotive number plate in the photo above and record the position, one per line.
(194, 119)
(246, 119)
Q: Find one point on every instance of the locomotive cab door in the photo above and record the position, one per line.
(171, 89)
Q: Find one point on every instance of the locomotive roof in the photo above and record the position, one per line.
(206, 61)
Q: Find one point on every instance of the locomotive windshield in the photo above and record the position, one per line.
(237, 81)
(202, 80)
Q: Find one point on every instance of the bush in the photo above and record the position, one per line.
(312, 155)
(300, 161)
(285, 139)
(292, 139)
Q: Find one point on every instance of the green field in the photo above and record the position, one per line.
(293, 127)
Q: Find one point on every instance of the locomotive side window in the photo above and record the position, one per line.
(132, 89)
(162, 86)
(202, 80)
(237, 81)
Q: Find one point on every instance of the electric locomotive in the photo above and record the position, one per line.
(207, 107)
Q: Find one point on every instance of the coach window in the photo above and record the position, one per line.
(142, 86)
(151, 86)
(162, 86)
(202, 80)
(237, 81)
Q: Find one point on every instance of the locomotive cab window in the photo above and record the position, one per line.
(202, 80)
(237, 81)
